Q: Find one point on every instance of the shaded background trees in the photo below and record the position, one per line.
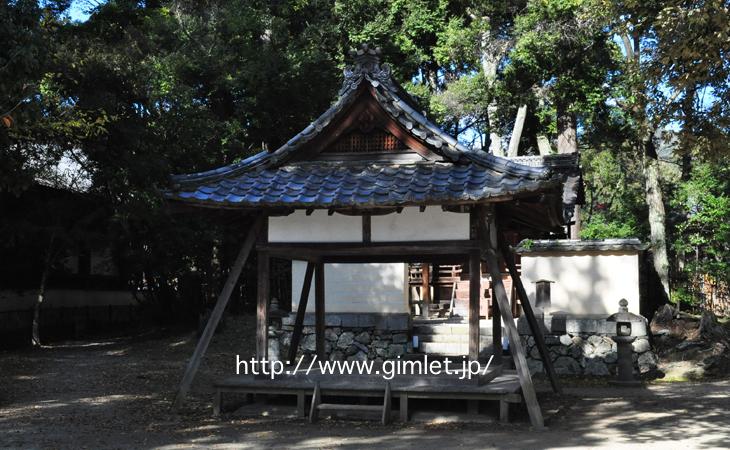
(111, 105)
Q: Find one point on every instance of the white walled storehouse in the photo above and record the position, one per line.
(587, 277)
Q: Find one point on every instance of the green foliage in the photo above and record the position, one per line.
(145, 89)
(614, 196)
(704, 234)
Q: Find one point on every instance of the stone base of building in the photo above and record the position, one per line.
(348, 336)
(579, 346)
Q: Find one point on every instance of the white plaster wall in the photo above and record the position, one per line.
(317, 227)
(433, 224)
(589, 283)
(356, 288)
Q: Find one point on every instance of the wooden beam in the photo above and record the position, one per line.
(489, 231)
(547, 363)
(366, 228)
(515, 344)
(425, 289)
(218, 310)
(311, 251)
(301, 311)
(262, 306)
(475, 295)
(496, 331)
(319, 312)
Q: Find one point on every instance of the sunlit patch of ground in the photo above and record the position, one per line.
(117, 393)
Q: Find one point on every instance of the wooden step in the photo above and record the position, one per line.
(318, 406)
(349, 407)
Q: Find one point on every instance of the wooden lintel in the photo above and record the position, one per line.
(310, 251)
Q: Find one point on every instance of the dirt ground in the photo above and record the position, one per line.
(117, 393)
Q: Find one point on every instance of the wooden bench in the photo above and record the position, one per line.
(505, 389)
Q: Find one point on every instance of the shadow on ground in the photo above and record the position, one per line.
(117, 393)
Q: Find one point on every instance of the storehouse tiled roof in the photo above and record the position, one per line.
(280, 179)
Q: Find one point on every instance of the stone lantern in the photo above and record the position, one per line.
(628, 325)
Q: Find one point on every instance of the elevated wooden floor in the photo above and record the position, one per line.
(502, 386)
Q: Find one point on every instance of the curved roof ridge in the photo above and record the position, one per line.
(397, 103)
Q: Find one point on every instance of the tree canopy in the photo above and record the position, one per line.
(141, 90)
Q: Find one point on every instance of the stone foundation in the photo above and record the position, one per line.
(348, 337)
(583, 346)
(587, 354)
(577, 346)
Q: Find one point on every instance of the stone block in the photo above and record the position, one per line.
(648, 362)
(595, 367)
(395, 350)
(363, 337)
(611, 358)
(565, 365)
(345, 339)
(603, 347)
(366, 320)
(359, 356)
(332, 320)
(641, 345)
(566, 340)
(400, 338)
(360, 346)
(535, 366)
(349, 320)
(332, 334)
(351, 350)
(309, 343)
(381, 343)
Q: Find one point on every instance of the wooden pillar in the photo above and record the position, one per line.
(475, 278)
(319, 311)
(262, 306)
(425, 290)
(496, 331)
(218, 310)
(301, 311)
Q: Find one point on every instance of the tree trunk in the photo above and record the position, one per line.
(36, 337)
(514, 140)
(567, 134)
(657, 214)
(568, 143)
(490, 58)
(495, 140)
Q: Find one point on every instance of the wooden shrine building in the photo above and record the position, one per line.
(372, 180)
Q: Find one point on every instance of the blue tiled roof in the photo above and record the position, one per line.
(276, 179)
(337, 185)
